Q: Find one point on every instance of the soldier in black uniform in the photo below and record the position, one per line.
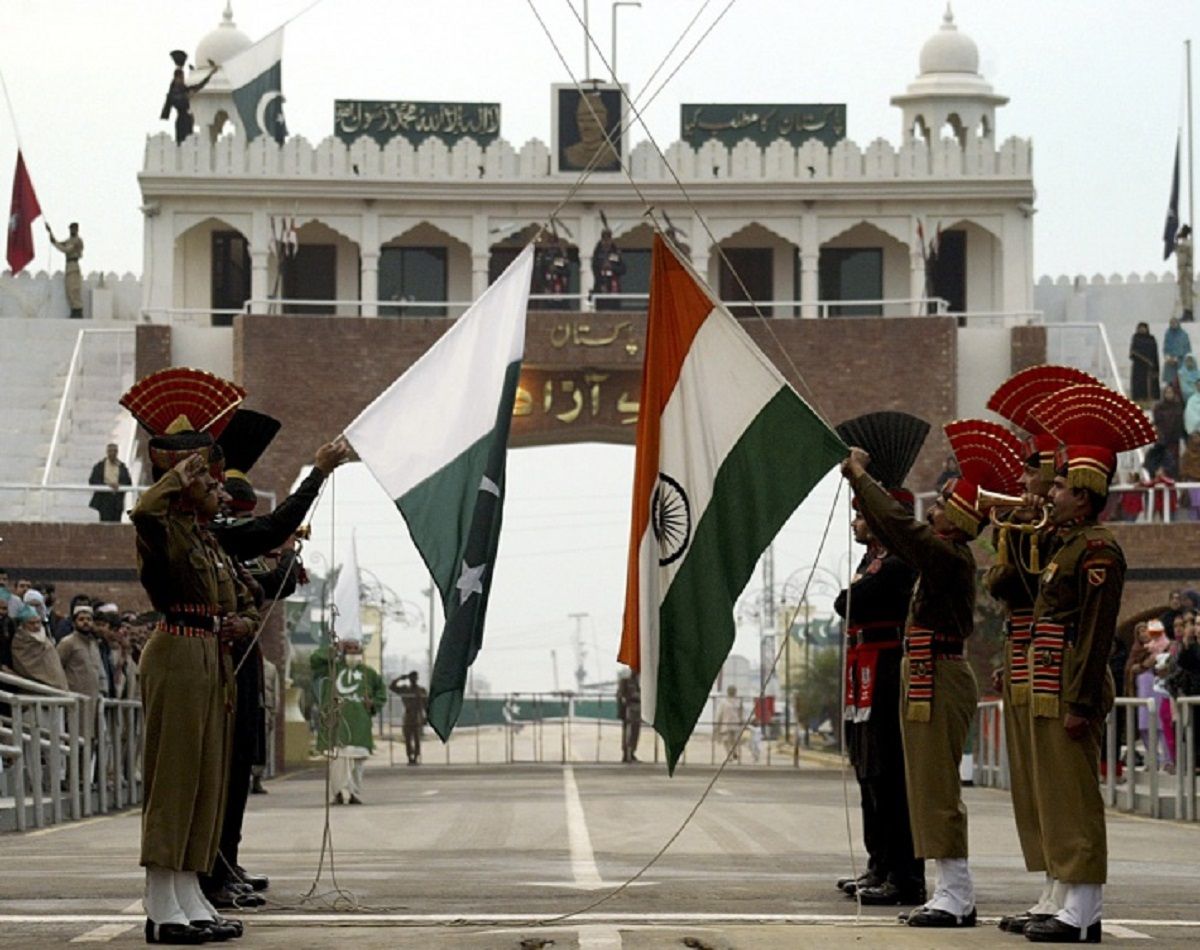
(875, 607)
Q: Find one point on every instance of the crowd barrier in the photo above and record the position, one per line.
(1136, 771)
(64, 756)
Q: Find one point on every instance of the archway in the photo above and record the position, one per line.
(863, 263)
(212, 267)
(324, 268)
(756, 264)
(423, 264)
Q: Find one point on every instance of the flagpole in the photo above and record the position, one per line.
(1187, 45)
(12, 113)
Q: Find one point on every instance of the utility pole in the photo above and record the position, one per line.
(429, 590)
(613, 61)
(580, 651)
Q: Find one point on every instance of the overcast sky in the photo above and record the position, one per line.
(1096, 85)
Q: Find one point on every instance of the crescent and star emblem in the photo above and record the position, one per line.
(348, 682)
(260, 111)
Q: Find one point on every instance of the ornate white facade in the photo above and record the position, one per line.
(795, 202)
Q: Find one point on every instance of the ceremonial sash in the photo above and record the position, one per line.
(1020, 630)
(862, 662)
(918, 698)
(1049, 639)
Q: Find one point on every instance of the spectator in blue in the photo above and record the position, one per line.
(1176, 345)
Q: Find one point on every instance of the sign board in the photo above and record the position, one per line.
(416, 121)
(762, 124)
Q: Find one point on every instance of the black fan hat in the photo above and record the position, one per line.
(893, 440)
(245, 439)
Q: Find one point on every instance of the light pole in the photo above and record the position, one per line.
(613, 60)
(430, 591)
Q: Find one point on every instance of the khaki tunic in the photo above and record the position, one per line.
(1081, 588)
(187, 686)
(1014, 586)
(943, 600)
(72, 247)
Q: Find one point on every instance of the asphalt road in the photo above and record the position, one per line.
(488, 856)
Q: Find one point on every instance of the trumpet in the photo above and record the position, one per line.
(994, 502)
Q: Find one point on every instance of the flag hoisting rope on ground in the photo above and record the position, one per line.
(22, 212)
(256, 78)
(1172, 225)
(436, 439)
(726, 450)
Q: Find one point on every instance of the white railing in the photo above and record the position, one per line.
(1148, 788)
(67, 400)
(67, 756)
(68, 394)
(37, 496)
(1162, 503)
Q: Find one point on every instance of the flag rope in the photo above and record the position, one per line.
(649, 208)
(12, 113)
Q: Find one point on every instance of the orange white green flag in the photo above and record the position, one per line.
(726, 451)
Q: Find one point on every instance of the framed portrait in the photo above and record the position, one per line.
(589, 127)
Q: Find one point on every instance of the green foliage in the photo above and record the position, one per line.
(818, 692)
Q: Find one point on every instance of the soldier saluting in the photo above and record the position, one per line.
(187, 686)
(1075, 614)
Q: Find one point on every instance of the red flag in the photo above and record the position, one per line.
(21, 215)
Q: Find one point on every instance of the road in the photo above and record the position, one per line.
(486, 856)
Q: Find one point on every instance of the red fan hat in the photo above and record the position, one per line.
(184, 410)
(989, 457)
(1017, 396)
(1095, 424)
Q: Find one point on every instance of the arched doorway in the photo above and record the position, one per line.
(424, 264)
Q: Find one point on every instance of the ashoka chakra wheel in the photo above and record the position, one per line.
(670, 519)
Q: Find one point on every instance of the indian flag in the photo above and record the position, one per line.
(436, 441)
(726, 450)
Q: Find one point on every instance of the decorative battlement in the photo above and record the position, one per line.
(433, 160)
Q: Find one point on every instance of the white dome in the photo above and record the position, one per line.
(949, 51)
(223, 43)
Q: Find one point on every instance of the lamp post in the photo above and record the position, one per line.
(613, 60)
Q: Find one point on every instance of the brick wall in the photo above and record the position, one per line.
(1028, 347)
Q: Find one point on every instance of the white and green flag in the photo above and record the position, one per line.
(256, 78)
(436, 440)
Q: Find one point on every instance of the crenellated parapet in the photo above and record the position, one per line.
(433, 160)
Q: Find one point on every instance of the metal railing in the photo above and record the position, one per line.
(1163, 503)
(1135, 776)
(561, 728)
(66, 401)
(67, 756)
(583, 302)
(37, 496)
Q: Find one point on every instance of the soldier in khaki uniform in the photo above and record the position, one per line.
(1021, 553)
(187, 685)
(72, 248)
(1075, 614)
(938, 689)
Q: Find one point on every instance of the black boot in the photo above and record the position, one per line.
(1054, 930)
(178, 934)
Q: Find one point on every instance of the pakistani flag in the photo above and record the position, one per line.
(726, 450)
(256, 78)
(436, 440)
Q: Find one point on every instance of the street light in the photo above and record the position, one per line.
(613, 61)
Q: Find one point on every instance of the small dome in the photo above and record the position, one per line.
(223, 43)
(949, 51)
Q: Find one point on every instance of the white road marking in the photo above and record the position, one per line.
(429, 791)
(632, 919)
(597, 937)
(723, 791)
(104, 933)
(83, 823)
(1124, 933)
(137, 907)
(583, 859)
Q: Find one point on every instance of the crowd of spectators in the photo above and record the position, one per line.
(1162, 664)
(92, 647)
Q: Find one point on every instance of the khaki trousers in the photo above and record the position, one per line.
(1017, 739)
(185, 752)
(932, 751)
(1066, 788)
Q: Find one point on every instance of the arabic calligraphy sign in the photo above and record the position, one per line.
(762, 124)
(416, 121)
(575, 404)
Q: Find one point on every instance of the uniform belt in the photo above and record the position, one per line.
(879, 631)
(195, 617)
(72, 260)
(182, 630)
